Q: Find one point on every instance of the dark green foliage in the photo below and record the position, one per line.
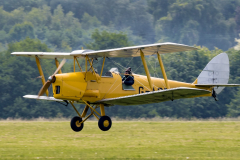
(17, 78)
(89, 21)
(123, 14)
(106, 40)
(234, 106)
(159, 8)
(193, 25)
(209, 23)
(21, 31)
(197, 22)
(10, 5)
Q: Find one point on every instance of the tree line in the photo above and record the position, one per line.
(68, 25)
(58, 25)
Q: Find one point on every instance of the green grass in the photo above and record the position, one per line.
(125, 140)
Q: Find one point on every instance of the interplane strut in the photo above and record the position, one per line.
(41, 73)
(146, 69)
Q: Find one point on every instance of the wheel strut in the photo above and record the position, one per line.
(102, 110)
(104, 122)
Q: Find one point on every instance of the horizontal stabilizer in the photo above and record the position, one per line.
(42, 98)
(217, 85)
(156, 96)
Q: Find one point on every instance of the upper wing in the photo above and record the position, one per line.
(44, 55)
(117, 52)
(156, 96)
(133, 51)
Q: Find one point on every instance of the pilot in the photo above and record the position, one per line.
(128, 79)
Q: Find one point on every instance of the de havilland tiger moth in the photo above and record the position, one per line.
(98, 90)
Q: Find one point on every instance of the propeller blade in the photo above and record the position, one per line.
(59, 67)
(44, 88)
(51, 80)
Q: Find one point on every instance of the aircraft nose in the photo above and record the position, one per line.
(52, 79)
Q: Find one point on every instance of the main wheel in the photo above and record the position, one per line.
(105, 123)
(75, 124)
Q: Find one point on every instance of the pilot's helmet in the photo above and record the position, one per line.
(128, 71)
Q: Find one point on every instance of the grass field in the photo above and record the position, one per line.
(125, 140)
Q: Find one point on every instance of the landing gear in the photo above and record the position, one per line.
(76, 124)
(105, 123)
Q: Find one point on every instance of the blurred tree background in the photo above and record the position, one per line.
(60, 25)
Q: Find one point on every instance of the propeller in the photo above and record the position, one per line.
(51, 79)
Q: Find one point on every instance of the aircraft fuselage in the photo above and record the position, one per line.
(90, 87)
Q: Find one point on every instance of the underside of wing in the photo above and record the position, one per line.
(156, 96)
(133, 51)
(44, 55)
(42, 98)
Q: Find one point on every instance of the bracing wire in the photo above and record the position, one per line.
(155, 71)
(110, 88)
(129, 62)
(119, 65)
(141, 84)
(124, 68)
(153, 83)
(115, 88)
(137, 68)
(131, 59)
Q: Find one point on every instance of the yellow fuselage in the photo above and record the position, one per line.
(90, 87)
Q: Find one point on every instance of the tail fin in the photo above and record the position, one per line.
(216, 72)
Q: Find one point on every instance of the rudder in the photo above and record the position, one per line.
(215, 72)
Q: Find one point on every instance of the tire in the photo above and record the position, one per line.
(105, 123)
(75, 127)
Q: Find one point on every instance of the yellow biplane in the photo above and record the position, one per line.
(101, 90)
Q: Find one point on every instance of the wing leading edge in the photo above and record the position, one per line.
(156, 96)
(42, 98)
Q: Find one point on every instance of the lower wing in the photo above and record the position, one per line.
(156, 96)
(42, 98)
